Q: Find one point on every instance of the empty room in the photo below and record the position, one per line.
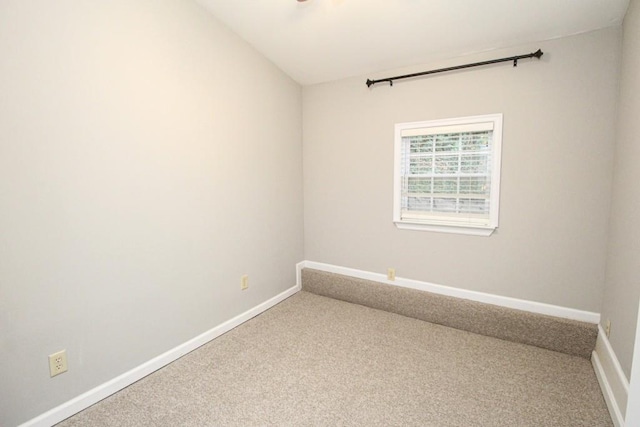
(319, 213)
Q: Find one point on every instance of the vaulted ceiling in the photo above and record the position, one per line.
(322, 40)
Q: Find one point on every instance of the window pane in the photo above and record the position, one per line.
(419, 204)
(444, 204)
(445, 185)
(446, 164)
(447, 142)
(474, 185)
(474, 163)
(418, 185)
(475, 141)
(420, 144)
(420, 165)
(475, 206)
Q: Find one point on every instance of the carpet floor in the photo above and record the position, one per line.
(316, 361)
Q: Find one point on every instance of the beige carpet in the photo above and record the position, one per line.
(553, 333)
(316, 361)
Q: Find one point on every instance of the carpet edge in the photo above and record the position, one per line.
(560, 334)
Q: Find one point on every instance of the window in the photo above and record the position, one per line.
(447, 175)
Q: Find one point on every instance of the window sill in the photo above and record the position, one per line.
(451, 229)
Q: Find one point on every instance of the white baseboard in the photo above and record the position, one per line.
(613, 381)
(299, 267)
(95, 395)
(519, 304)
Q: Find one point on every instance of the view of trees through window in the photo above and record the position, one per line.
(447, 173)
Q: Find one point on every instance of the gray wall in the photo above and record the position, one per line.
(559, 116)
(622, 289)
(148, 159)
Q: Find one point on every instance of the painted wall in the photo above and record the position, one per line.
(148, 159)
(559, 116)
(622, 289)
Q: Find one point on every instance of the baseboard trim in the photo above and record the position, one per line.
(613, 382)
(518, 304)
(102, 391)
(299, 267)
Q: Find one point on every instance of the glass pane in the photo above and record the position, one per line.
(476, 206)
(446, 164)
(445, 185)
(418, 185)
(474, 185)
(444, 205)
(447, 142)
(474, 163)
(476, 141)
(420, 144)
(419, 203)
(420, 165)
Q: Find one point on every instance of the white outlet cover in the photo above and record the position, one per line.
(58, 363)
(391, 274)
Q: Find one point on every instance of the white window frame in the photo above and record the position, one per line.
(444, 223)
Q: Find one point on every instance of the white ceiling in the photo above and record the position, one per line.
(324, 40)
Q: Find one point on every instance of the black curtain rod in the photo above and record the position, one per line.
(536, 54)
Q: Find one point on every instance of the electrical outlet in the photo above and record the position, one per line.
(58, 363)
(391, 274)
(244, 282)
(607, 328)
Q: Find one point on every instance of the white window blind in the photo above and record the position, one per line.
(446, 172)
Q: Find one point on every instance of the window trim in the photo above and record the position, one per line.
(443, 225)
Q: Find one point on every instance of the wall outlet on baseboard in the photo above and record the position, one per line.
(58, 363)
(391, 274)
(244, 282)
(607, 328)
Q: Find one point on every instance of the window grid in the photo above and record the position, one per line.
(470, 150)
